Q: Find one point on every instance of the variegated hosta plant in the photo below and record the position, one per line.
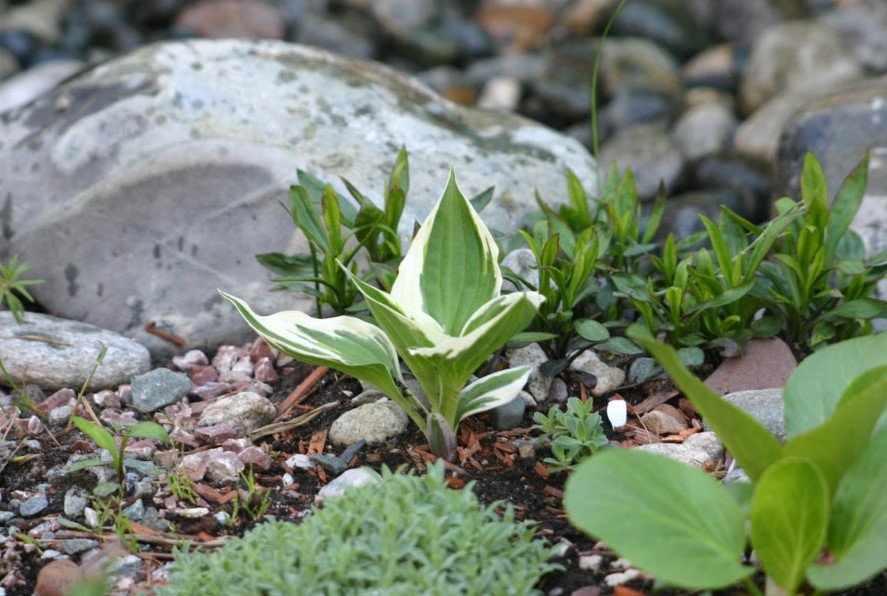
(444, 317)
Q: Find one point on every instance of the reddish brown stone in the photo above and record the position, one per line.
(233, 18)
(215, 435)
(767, 364)
(57, 577)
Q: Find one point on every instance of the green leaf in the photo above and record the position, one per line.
(591, 330)
(789, 520)
(528, 337)
(97, 433)
(669, 519)
(148, 430)
(846, 204)
(748, 440)
(105, 488)
(620, 345)
(861, 308)
(308, 218)
(857, 535)
(815, 388)
(836, 444)
(814, 191)
(87, 463)
(492, 391)
(451, 269)
(482, 199)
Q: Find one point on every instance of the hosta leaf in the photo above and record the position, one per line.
(491, 391)
(789, 519)
(815, 388)
(747, 439)
(857, 534)
(669, 519)
(451, 268)
(347, 344)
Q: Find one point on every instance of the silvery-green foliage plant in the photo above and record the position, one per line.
(403, 535)
(443, 317)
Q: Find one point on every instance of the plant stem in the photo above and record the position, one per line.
(751, 587)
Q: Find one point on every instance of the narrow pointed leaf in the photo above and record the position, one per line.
(308, 218)
(451, 268)
(97, 433)
(87, 463)
(148, 430)
(846, 204)
(812, 394)
(857, 535)
(492, 391)
(789, 520)
(669, 519)
(747, 439)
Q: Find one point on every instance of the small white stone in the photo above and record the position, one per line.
(300, 461)
(287, 480)
(623, 577)
(91, 517)
(591, 562)
(348, 479)
(617, 412)
(192, 512)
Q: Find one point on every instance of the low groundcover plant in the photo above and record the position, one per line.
(815, 510)
(401, 535)
(444, 317)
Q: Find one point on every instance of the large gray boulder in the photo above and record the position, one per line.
(140, 186)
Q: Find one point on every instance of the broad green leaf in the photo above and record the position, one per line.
(861, 308)
(148, 430)
(669, 519)
(491, 391)
(838, 443)
(332, 219)
(815, 388)
(451, 268)
(347, 344)
(528, 337)
(591, 330)
(620, 345)
(857, 535)
(747, 439)
(97, 433)
(846, 204)
(789, 520)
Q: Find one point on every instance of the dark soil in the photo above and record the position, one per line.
(488, 460)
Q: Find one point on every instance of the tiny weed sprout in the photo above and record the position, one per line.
(13, 288)
(815, 511)
(573, 434)
(105, 440)
(444, 317)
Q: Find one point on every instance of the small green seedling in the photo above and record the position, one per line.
(13, 288)
(444, 317)
(573, 434)
(105, 440)
(815, 511)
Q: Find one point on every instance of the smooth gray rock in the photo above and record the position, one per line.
(533, 356)
(704, 130)
(608, 377)
(70, 354)
(73, 546)
(510, 415)
(347, 480)
(158, 388)
(862, 26)
(796, 56)
(140, 186)
(243, 411)
(33, 506)
(764, 404)
(651, 154)
(25, 87)
(702, 450)
(374, 422)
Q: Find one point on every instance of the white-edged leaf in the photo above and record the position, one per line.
(451, 268)
(491, 391)
(494, 324)
(347, 344)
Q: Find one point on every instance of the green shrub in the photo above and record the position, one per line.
(403, 535)
(573, 434)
